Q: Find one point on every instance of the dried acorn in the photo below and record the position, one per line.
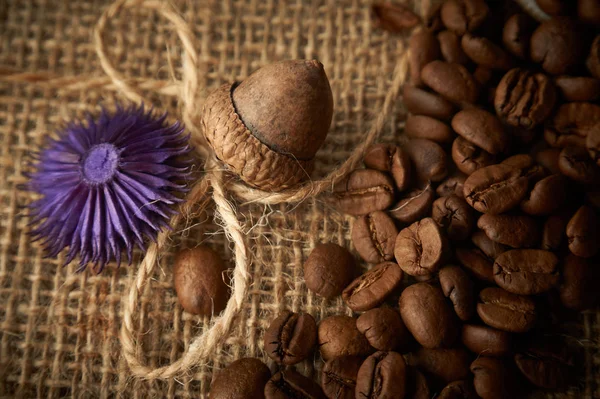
(268, 128)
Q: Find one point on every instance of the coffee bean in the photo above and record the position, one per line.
(198, 281)
(546, 363)
(578, 88)
(516, 34)
(517, 231)
(588, 11)
(475, 261)
(548, 158)
(364, 191)
(582, 232)
(394, 18)
(451, 48)
(421, 102)
(244, 379)
(527, 166)
(382, 375)
(428, 316)
(495, 189)
(487, 341)
(373, 287)
(291, 337)
(576, 164)
(445, 365)
(429, 160)
(524, 99)
(483, 51)
(526, 271)
(338, 336)
(578, 285)
(592, 143)
(593, 61)
(463, 16)
(468, 157)
(458, 390)
(452, 81)
(491, 249)
(425, 127)
(414, 205)
(558, 45)
(493, 378)
(575, 119)
(338, 378)
(390, 158)
(289, 384)
(546, 196)
(452, 185)
(454, 216)
(554, 231)
(561, 140)
(555, 7)
(374, 237)
(383, 328)
(423, 49)
(328, 270)
(482, 129)
(421, 248)
(458, 287)
(506, 311)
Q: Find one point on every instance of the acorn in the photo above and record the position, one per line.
(268, 128)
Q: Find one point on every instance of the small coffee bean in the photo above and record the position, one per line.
(578, 88)
(417, 387)
(548, 158)
(576, 118)
(446, 365)
(291, 337)
(546, 196)
(554, 231)
(394, 18)
(328, 270)
(428, 316)
(463, 16)
(524, 99)
(593, 61)
(506, 311)
(493, 378)
(289, 384)
(490, 248)
(338, 378)
(527, 166)
(561, 140)
(414, 205)
(516, 34)
(452, 81)
(592, 143)
(451, 47)
(421, 248)
(373, 287)
(483, 51)
(555, 7)
(495, 189)
(338, 336)
(452, 185)
(517, 231)
(458, 390)
(582, 232)
(546, 364)
(390, 158)
(423, 49)
(482, 129)
(383, 328)
(454, 216)
(486, 341)
(576, 164)
(374, 237)
(458, 287)
(364, 191)
(198, 281)
(429, 160)
(421, 102)
(526, 271)
(425, 127)
(558, 45)
(475, 261)
(588, 11)
(468, 157)
(244, 379)
(578, 285)
(382, 375)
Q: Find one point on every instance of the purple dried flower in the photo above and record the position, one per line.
(108, 185)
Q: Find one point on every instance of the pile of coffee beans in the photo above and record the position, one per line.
(480, 225)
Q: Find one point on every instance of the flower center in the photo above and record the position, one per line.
(100, 163)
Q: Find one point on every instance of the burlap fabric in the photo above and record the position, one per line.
(60, 330)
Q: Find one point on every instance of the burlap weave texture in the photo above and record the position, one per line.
(59, 331)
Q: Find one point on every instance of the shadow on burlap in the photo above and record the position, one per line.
(59, 331)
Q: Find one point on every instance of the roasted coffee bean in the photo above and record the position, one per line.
(446, 365)
(483, 51)
(548, 158)
(558, 45)
(425, 127)
(338, 378)
(493, 378)
(546, 196)
(394, 18)
(554, 231)
(338, 336)
(526, 271)
(463, 16)
(458, 287)
(524, 99)
(421, 248)
(576, 164)
(576, 118)
(244, 379)
(582, 232)
(328, 270)
(429, 160)
(555, 7)
(289, 384)
(506, 311)
(421, 102)
(561, 140)
(487, 341)
(291, 337)
(452, 81)
(383, 328)
(374, 237)
(495, 189)
(423, 49)
(482, 129)
(458, 390)
(527, 166)
(428, 316)
(468, 157)
(578, 88)
(588, 11)
(517, 231)
(453, 185)
(373, 287)
(592, 143)
(578, 290)
(593, 61)
(364, 191)
(454, 216)
(382, 375)
(477, 263)
(546, 363)
(516, 34)
(414, 205)
(451, 47)
(390, 158)
(491, 249)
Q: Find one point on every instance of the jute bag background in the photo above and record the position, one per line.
(59, 331)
